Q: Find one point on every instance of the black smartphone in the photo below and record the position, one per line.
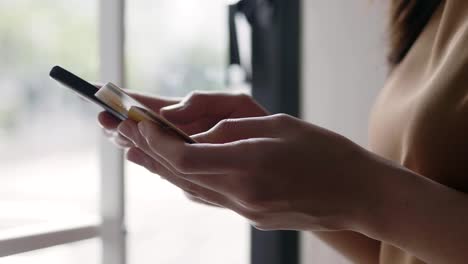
(82, 87)
(114, 100)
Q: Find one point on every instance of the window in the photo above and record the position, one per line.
(50, 163)
(174, 47)
(51, 168)
(48, 138)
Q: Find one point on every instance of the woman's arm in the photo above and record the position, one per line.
(210, 108)
(282, 173)
(423, 217)
(428, 216)
(354, 246)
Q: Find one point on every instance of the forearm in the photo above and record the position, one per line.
(424, 218)
(354, 246)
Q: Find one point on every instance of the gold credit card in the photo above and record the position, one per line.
(131, 108)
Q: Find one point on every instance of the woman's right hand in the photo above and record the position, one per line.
(196, 113)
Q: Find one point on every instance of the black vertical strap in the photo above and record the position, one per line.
(275, 84)
(275, 56)
(234, 56)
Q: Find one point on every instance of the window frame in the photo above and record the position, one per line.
(112, 195)
(111, 225)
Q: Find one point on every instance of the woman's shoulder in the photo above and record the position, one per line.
(436, 142)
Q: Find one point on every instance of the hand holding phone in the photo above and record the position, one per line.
(128, 106)
(114, 100)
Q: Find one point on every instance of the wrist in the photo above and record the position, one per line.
(379, 182)
(391, 196)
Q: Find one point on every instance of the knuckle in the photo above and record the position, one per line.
(281, 121)
(225, 125)
(282, 118)
(195, 96)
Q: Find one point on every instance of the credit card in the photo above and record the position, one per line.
(122, 102)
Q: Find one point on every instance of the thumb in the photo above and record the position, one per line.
(230, 130)
(155, 103)
(203, 105)
(182, 113)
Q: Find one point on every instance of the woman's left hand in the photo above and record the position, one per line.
(277, 171)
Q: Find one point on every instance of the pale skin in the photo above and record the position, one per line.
(280, 172)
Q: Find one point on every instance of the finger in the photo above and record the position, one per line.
(230, 130)
(109, 133)
(191, 158)
(194, 191)
(198, 126)
(155, 103)
(130, 130)
(108, 121)
(140, 157)
(122, 142)
(215, 184)
(195, 199)
(203, 165)
(199, 105)
(117, 139)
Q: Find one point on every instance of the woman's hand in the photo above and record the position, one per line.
(196, 113)
(277, 171)
(109, 123)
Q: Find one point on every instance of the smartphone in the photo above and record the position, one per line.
(114, 100)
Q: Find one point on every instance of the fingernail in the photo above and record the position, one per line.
(174, 107)
(124, 128)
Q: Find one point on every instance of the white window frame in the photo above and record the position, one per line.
(111, 227)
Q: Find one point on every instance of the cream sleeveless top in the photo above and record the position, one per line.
(420, 119)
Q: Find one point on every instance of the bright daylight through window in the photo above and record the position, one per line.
(49, 138)
(174, 47)
(49, 162)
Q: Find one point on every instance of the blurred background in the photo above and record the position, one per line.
(49, 161)
(48, 137)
